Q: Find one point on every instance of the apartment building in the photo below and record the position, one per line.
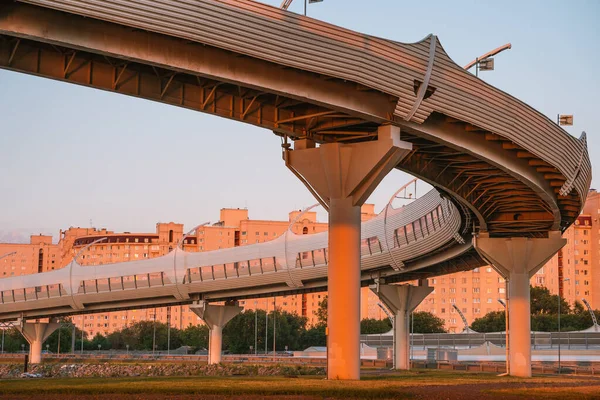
(574, 272)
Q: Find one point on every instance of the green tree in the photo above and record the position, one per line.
(13, 341)
(66, 334)
(99, 340)
(238, 334)
(314, 336)
(494, 321)
(578, 308)
(542, 302)
(374, 326)
(322, 312)
(195, 336)
(426, 322)
(140, 335)
(289, 329)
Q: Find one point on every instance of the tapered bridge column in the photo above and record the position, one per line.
(341, 177)
(36, 333)
(402, 300)
(215, 317)
(518, 259)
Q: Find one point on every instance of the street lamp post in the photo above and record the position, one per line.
(255, 327)
(559, 301)
(310, 2)
(58, 343)
(168, 330)
(274, 324)
(412, 334)
(4, 325)
(391, 318)
(564, 120)
(486, 62)
(154, 333)
(286, 3)
(506, 332)
(73, 338)
(127, 347)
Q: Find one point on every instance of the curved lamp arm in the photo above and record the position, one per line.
(488, 55)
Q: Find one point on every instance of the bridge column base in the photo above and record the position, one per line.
(36, 333)
(216, 317)
(518, 259)
(341, 177)
(402, 300)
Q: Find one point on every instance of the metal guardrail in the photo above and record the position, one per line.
(539, 340)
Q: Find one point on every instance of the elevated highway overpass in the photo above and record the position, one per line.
(354, 107)
(424, 238)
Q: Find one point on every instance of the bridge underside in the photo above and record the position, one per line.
(508, 190)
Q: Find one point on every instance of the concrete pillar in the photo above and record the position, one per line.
(518, 259)
(341, 177)
(343, 286)
(36, 333)
(401, 300)
(215, 316)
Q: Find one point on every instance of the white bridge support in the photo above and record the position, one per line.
(401, 300)
(518, 259)
(341, 177)
(36, 333)
(216, 317)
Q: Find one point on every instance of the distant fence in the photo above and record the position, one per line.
(539, 340)
(233, 358)
(500, 367)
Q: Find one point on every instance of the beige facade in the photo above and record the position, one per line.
(37, 256)
(574, 271)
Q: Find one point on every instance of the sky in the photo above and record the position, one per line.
(74, 156)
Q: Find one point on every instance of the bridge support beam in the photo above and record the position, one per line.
(36, 333)
(401, 300)
(216, 317)
(341, 177)
(518, 259)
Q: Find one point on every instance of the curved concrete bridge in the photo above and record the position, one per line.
(354, 106)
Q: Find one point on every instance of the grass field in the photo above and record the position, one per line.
(407, 385)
